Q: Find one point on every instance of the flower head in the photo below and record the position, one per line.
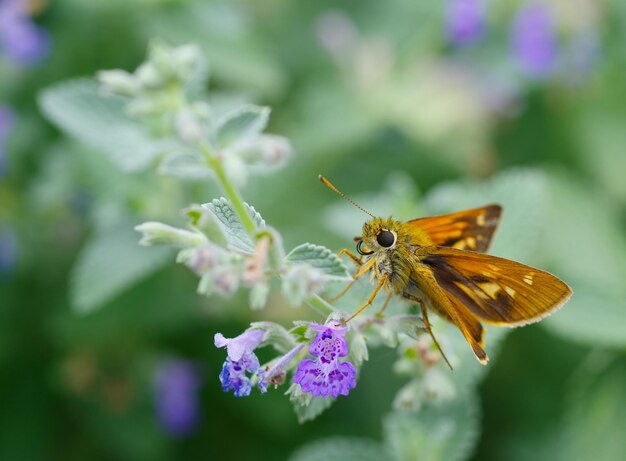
(240, 361)
(22, 41)
(326, 375)
(465, 21)
(176, 396)
(534, 43)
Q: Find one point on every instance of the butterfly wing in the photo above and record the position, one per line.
(496, 290)
(464, 230)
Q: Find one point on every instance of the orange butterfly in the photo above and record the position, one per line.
(439, 262)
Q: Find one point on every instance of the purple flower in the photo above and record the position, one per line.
(240, 361)
(534, 42)
(6, 123)
(176, 396)
(22, 41)
(465, 21)
(326, 376)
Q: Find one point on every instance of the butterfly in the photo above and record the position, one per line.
(440, 263)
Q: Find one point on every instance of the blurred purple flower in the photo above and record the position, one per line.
(534, 42)
(465, 21)
(7, 119)
(22, 41)
(240, 361)
(177, 384)
(326, 376)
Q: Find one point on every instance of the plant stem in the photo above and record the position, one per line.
(321, 306)
(228, 187)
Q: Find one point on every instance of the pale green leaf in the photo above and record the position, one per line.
(240, 125)
(236, 236)
(341, 448)
(321, 258)
(111, 262)
(80, 109)
(445, 431)
(594, 423)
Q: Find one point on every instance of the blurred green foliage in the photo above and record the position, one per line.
(374, 96)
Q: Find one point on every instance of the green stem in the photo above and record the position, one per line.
(321, 306)
(228, 187)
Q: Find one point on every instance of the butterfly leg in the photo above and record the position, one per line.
(355, 259)
(381, 282)
(363, 268)
(381, 312)
(430, 332)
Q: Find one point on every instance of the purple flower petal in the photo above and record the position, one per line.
(326, 376)
(534, 43)
(176, 396)
(465, 21)
(21, 40)
(240, 361)
(236, 347)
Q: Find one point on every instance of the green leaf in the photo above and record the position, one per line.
(594, 423)
(80, 109)
(446, 431)
(186, 164)
(240, 125)
(305, 405)
(522, 193)
(236, 236)
(111, 262)
(156, 233)
(321, 258)
(341, 448)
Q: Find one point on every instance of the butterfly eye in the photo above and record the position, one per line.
(386, 238)
(360, 250)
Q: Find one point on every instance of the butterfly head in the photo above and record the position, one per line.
(379, 235)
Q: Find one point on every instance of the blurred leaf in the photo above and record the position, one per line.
(341, 448)
(447, 431)
(321, 258)
(186, 164)
(111, 262)
(315, 407)
(236, 236)
(240, 125)
(522, 193)
(586, 244)
(594, 423)
(82, 111)
(305, 405)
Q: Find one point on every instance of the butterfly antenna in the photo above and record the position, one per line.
(329, 184)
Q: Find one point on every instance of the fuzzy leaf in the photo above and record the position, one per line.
(321, 258)
(594, 424)
(111, 262)
(236, 236)
(305, 405)
(241, 124)
(80, 109)
(445, 431)
(341, 448)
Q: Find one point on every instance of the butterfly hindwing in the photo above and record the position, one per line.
(464, 230)
(496, 290)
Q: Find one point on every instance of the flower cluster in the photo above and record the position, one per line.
(22, 41)
(241, 361)
(324, 376)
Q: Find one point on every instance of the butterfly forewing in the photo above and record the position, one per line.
(496, 290)
(465, 230)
